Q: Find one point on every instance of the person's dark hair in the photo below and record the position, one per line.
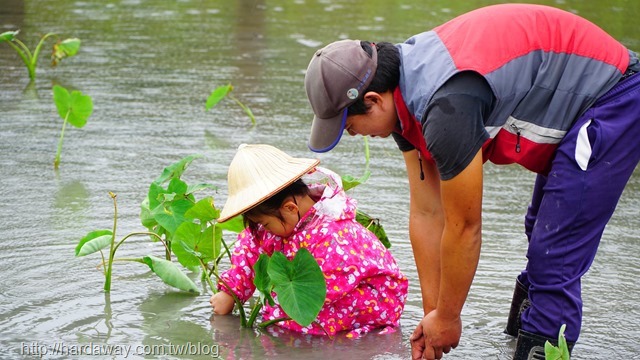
(387, 74)
(271, 206)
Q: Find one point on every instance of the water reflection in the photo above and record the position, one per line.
(275, 342)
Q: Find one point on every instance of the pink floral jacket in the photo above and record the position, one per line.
(365, 288)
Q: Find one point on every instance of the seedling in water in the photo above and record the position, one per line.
(223, 91)
(185, 226)
(61, 49)
(74, 108)
(299, 284)
(560, 352)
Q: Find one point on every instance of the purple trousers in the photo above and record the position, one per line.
(572, 204)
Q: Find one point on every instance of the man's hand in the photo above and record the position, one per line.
(435, 336)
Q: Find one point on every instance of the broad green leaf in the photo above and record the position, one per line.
(190, 243)
(562, 343)
(204, 210)
(8, 36)
(194, 188)
(235, 224)
(176, 169)
(374, 226)
(349, 182)
(74, 106)
(300, 285)
(171, 215)
(560, 352)
(218, 94)
(171, 274)
(262, 280)
(146, 217)
(153, 196)
(94, 241)
(177, 186)
(551, 352)
(65, 48)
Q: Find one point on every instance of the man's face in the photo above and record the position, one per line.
(380, 120)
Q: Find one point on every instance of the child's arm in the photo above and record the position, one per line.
(222, 303)
(239, 277)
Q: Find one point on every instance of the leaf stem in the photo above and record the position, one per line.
(112, 249)
(254, 314)
(273, 321)
(246, 109)
(204, 271)
(243, 315)
(56, 162)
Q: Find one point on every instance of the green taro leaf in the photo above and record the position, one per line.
(171, 215)
(560, 352)
(218, 94)
(146, 217)
(262, 281)
(65, 48)
(171, 274)
(300, 285)
(8, 36)
(374, 226)
(349, 182)
(74, 106)
(204, 210)
(194, 188)
(190, 243)
(94, 241)
(551, 352)
(175, 170)
(235, 224)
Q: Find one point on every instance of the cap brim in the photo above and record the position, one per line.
(326, 133)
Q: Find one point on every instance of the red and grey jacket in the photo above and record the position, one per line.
(544, 65)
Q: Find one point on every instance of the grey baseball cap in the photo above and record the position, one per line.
(337, 76)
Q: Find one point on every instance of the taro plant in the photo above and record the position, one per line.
(222, 92)
(61, 49)
(185, 228)
(74, 108)
(299, 284)
(560, 352)
(349, 182)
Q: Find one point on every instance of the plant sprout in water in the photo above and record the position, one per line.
(560, 352)
(61, 49)
(223, 91)
(74, 108)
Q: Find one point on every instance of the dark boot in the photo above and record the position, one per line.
(530, 346)
(519, 304)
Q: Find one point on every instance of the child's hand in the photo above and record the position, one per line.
(222, 303)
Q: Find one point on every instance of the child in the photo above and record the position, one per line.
(289, 203)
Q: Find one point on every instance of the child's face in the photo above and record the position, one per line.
(273, 224)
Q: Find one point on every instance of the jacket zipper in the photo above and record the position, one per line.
(517, 130)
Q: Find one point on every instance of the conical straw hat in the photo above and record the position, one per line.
(256, 173)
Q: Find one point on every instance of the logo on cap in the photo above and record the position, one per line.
(352, 93)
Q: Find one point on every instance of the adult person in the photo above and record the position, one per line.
(510, 83)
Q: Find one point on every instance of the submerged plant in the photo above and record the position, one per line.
(560, 352)
(223, 91)
(61, 49)
(74, 108)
